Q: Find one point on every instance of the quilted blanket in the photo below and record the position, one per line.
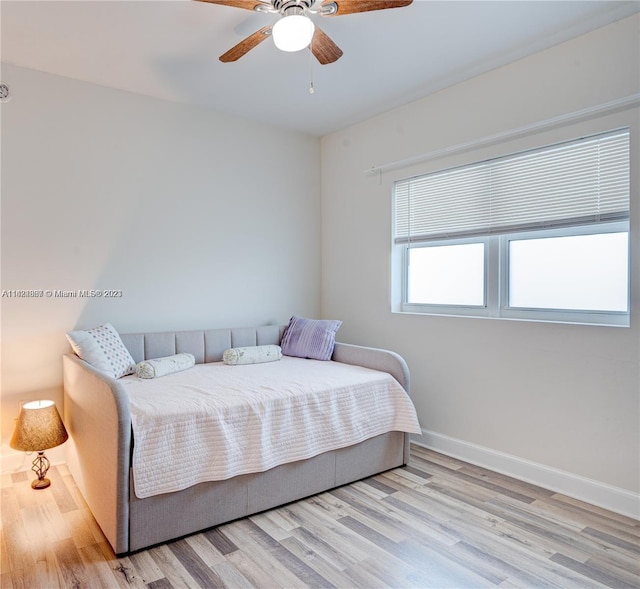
(214, 421)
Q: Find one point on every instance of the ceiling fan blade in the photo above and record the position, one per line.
(246, 4)
(339, 7)
(323, 48)
(246, 45)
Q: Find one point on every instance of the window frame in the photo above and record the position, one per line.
(496, 264)
(496, 290)
(620, 318)
(471, 310)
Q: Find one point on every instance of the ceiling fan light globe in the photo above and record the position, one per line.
(293, 32)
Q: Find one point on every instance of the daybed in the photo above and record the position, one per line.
(99, 453)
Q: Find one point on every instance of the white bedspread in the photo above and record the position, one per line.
(214, 421)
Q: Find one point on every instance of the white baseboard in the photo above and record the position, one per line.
(588, 490)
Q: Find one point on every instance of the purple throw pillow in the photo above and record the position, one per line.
(310, 338)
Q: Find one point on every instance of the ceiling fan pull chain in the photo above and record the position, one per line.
(311, 89)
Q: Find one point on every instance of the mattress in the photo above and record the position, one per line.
(213, 421)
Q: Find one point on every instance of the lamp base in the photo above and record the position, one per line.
(40, 466)
(40, 484)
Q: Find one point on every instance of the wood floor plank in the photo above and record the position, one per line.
(72, 568)
(442, 504)
(262, 558)
(123, 568)
(352, 548)
(506, 482)
(544, 509)
(438, 523)
(325, 568)
(5, 481)
(456, 572)
(609, 516)
(54, 523)
(619, 541)
(63, 498)
(474, 480)
(146, 567)
(375, 519)
(162, 583)
(220, 541)
(519, 522)
(487, 566)
(395, 572)
(562, 539)
(198, 570)
(10, 507)
(98, 568)
(175, 572)
(231, 577)
(291, 562)
(33, 519)
(493, 567)
(5, 564)
(418, 452)
(378, 485)
(331, 503)
(327, 509)
(280, 520)
(425, 524)
(271, 526)
(312, 517)
(20, 477)
(6, 582)
(361, 575)
(607, 578)
(411, 473)
(29, 578)
(17, 545)
(47, 570)
(319, 545)
(209, 554)
(421, 558)
(596, 521)
(628, 570)
(532, 561)
(255, 573)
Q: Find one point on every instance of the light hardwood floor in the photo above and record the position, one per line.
(437, 523)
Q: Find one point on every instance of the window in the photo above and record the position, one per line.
(448, 274)
(540, 235)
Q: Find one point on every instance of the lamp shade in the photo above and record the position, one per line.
(293, 32)
(38, 427)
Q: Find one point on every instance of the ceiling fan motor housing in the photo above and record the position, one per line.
(292, 6)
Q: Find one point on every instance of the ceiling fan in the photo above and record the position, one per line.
(295, 30)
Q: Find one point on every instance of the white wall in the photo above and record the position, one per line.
(559, 396)
(196, 216)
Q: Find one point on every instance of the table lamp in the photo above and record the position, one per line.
(38, 428)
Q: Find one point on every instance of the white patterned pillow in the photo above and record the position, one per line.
(165, 365)
(103, 349)
(251, 355)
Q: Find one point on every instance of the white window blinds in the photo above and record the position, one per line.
(574, 183)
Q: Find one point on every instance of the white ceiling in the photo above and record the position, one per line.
(170, 49)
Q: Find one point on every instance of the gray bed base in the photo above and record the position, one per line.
(96, 411)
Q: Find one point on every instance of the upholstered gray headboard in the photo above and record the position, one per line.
(205, 345)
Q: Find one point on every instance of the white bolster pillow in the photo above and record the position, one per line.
(251, 355)
(163, 366)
